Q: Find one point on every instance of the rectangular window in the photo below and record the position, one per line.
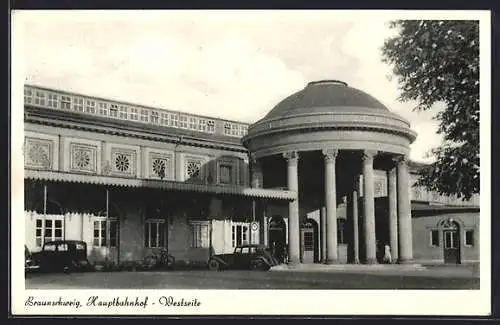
(53, 101)
(202, 125)
(434, 238)
(200, 235)
(227, 128)
(103, 238)
(90, 106)
(123, 112)
(78, 104)
(154, 234)
(211, 126)
(469, 238)
(174, 120)
(164, 118)
(144, 115)
(65, 102)
(28, 96)
(225, 174)
(239, 235)
(234, 129)
(113, 110)
(39, 98)
(243, 130)
(103, 109)
(50, 230)
(134, 114)
(193, 123)
(183, 121)
(155, 118)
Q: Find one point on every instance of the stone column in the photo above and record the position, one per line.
(331, 205)
(322, 219)
(369, 207)
(355, 224)
(393, 213)
(404, 212)
(265, 221)
(256, 174)
(262, 222)
(292, 158)
(62, 151)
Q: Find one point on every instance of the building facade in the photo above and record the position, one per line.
(130, 179)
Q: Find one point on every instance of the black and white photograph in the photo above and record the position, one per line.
(250, 162)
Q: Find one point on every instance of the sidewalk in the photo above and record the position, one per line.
(462, 271)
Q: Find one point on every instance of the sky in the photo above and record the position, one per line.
(233, 65)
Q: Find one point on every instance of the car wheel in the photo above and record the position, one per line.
(258, 265)
(213, 265)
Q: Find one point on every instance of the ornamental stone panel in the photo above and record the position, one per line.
(38, 153)
(83, 157)
(123, 162)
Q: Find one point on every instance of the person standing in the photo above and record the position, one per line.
(387, 254)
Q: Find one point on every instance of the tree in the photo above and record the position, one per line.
(438, 62)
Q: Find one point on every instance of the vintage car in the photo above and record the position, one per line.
(29, 264)
(254, 257)
(63, 256)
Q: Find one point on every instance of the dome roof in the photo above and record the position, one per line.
(324, 96)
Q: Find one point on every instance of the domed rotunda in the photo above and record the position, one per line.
(324, 142)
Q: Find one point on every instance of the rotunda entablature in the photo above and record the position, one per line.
(329, 114)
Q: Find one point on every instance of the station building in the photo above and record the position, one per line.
(324, 177)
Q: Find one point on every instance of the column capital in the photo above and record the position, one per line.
(368, 155)
(252, 159)
(402, 159)
(291, 156)
(330, 154)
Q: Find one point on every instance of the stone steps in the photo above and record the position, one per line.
(349, 267)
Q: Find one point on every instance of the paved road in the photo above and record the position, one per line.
(204, 279)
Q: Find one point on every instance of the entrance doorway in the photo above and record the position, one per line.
(451, 246)
(309, 241)
(277, 237)
(451, 238)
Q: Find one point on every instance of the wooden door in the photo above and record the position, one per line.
(451, 246)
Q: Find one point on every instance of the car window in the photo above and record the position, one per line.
(237, 250)
(245, 250)
(62, 247)
(80, 247)
(49, 247)
(253, 250)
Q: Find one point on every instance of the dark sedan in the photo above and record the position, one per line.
(255, 257)
(63, 256)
